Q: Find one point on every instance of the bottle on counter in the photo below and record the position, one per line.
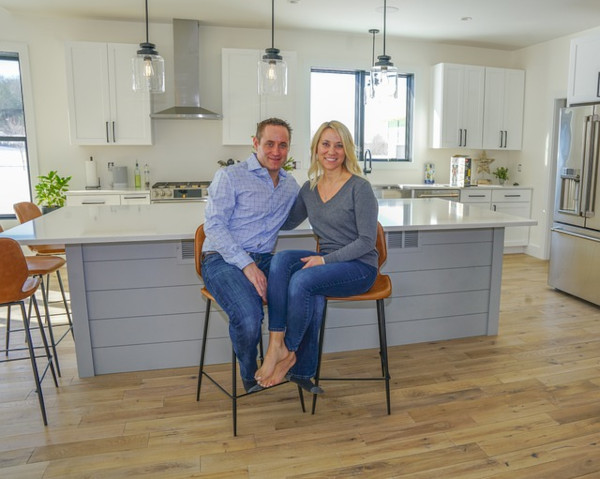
(137, 176)
(146, 177)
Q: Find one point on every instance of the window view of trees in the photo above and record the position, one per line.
(14, 165)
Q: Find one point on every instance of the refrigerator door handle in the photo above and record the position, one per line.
(576, 235)
(591, 166)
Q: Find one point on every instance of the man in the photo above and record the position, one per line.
(247, 204)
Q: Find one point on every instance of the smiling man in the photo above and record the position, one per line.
(247, 204)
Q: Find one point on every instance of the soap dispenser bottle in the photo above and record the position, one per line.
(137, 176)
(146, 177)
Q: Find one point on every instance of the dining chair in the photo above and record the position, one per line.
(381, 289)
(16, 286)
(44, 263)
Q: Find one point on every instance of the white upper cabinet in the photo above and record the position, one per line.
(103, 108)
(584, 71)
(458, 93)
(243, 107)
(503, 109)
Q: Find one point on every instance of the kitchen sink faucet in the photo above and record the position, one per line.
(366, 156)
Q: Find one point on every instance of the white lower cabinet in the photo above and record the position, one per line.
(511, 201)
(103, 197)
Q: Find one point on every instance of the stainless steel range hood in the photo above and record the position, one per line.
(186, 63)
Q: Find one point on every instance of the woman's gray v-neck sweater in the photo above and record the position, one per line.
(346, 225)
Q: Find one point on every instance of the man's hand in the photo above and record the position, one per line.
(310, 261)
(257, 278)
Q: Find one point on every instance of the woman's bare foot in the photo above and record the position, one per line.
(276, 352)
(280, 371)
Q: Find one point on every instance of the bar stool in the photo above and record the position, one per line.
(233, 394)
(381, 289)
(16, 285)
(42, 265)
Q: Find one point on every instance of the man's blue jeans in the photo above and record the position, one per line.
(240, 300)
(296, 299)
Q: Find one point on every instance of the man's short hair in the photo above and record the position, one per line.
(260, 127)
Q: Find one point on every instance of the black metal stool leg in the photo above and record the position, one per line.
(36, 376)
(7, 330)
(64, 298)
(44, 287)
(203, 350)
(234, 390)
(321, 342)
(383, 351)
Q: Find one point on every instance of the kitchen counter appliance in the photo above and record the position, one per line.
(179, 191)
(575, 234)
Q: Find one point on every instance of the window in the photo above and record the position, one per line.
(14, 157)
(383, 127)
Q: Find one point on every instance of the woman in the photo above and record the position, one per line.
(342, 211)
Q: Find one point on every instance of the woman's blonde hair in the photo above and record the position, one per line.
(315, 171)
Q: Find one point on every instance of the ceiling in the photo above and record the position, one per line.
(501, 24)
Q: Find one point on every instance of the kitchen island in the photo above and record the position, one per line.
(135, 293)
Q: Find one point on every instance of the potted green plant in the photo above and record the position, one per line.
(50, 191)
(501, 173)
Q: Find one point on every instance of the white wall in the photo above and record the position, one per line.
(186, 149)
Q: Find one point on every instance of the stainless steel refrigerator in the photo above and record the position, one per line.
(575, 236)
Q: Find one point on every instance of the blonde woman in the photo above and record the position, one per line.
(342, 211)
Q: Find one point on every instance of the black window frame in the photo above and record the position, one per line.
(360, 99)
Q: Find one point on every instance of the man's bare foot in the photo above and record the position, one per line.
(276, 352)
(280, 371)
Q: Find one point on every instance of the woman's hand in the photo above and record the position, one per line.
(311, 261)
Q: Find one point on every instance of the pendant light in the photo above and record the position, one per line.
(367, 93)
(384, 75)
(272, 69)
(148, 67)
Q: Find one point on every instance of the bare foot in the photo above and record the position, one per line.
(281, 369)
(276, 352)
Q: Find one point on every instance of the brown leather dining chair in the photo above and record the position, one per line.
(381, 289)
(43, 264)
(232, 392)
(16, 286)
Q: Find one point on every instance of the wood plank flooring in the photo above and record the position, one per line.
(523, 404)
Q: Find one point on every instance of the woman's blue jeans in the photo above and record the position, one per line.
(240, 300)
(296, 299)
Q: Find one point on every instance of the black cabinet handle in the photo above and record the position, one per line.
(598, 86)
(107, 139)
(114, 136)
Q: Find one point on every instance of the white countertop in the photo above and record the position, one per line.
(166, 221)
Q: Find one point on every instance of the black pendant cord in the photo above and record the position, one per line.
(272, 23)
(147, 37)
(384, 22)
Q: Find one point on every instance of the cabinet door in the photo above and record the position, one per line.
(88, 93)
(584, 71)
(93, 199)
(243, 107)
(130, 122)
(503, 109)
(458, 106)
(103, 109)
(515, 235)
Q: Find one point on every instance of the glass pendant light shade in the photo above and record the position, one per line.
(272, 73)
(272, 69)
(148, 67)
(148, 70)
(384, 78)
